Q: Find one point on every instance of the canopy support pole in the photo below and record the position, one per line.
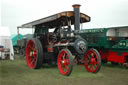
(17, 33)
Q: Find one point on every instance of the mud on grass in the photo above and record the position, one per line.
(17, 73)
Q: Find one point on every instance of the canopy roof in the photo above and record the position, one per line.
(14, 38)
(59, 19)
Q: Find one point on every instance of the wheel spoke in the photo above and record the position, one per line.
(62, 66)
(30, 47)
(33, 61)
(33, 45)
(67, 68)
(89, 59)
(95, 65)
(63, 56)
(95, 58)
(34, 49)
(91, 67)
(29, 57)
(35, 56)
(89, 56)
(67, 61)
(96, 62)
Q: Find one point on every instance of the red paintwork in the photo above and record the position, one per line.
(60, 42)
(91, 61)
(31, 54)
(112, 56)
(104, 54)
(63, 62)
(50, 49)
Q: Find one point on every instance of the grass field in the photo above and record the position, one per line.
(17, 73)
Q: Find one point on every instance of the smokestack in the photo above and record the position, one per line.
(77, 16)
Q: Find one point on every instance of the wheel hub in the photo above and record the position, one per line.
(31, 53)
(80, 45)
(64, 62)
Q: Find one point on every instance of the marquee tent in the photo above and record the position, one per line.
(6, 42)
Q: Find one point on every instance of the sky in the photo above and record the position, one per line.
(103, 13)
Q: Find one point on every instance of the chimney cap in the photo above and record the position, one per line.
(76, 6)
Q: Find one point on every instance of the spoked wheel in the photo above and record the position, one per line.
(92, 60)
(34, 54)
(65, 62)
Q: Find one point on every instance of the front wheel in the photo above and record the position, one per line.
(65, 62)
(92, 60)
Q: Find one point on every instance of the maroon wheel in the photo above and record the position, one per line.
(65, 62)
(92, 60)
(34, 54)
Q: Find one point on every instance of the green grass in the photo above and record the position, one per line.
(17, 73)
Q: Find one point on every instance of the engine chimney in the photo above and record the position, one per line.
(77, 16)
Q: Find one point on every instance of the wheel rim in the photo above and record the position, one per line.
(31, 54)
(63, 62)
(91, 61)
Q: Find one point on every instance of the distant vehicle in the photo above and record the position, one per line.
(62, 44)
(14, 39)
(111, 43)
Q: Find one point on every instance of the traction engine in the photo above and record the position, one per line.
(63, 46)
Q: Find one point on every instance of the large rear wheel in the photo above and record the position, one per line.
(34, 53)
(92, 60)
(65, 62)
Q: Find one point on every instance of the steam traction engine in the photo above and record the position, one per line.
(59, 47)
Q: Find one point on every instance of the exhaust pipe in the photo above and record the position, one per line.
(77, 16)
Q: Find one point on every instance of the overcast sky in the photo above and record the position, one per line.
(103, 13)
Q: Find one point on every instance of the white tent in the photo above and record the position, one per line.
(6, 42)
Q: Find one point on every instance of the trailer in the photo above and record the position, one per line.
(59, 47)
(111, 43)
